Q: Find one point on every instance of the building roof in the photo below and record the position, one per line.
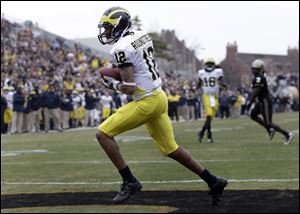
(248, 58)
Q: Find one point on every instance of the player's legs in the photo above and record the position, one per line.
(161, 131)
(214, 112)
(130, 116)
(130, 184)
(125, 118)
(215, 183)
(267, 114)
(112, 150)
(206, 126)
(208, 112)
(254, 116)
(210, 106)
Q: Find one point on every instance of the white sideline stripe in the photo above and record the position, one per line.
(147, 182)
(145, 162)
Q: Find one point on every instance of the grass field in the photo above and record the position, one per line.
(73, 161)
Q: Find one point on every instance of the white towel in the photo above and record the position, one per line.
(212, 100)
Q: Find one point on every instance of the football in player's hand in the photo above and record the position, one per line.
(111, 72)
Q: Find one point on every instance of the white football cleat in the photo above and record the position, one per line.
(289, 138)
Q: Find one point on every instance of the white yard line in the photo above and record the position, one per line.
(149, 182)
(143, 162)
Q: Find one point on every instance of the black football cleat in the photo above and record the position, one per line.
(217, 189)
(126, 191)
(200, 136)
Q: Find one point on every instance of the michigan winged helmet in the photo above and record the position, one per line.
(114, 23)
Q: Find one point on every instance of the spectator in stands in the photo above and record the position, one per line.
(123, 99)
(236, 108)
(107, 104)
(75, 115)
(18, 110)
(66, 106)
(35, 110)
(183, 108)
(26, 118)
(69, 83)
(198, 105)
(233, 99)
(173, 99)
(224, 101)
(43, 100)
(8, 93)
(243, 103)
(117, 100)
(90, 107)
(3, 108)
(52, 109)
(191, 102)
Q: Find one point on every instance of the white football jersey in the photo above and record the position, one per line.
(106, 100)
(210, 83)
(136, 49)
(76, 101)
(9, 99)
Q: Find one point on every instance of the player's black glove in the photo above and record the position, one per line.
(110, 83)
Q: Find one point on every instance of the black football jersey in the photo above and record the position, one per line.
(260, 81)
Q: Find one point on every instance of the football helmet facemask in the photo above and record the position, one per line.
(209, 64)
(257, 67)
(114, 23)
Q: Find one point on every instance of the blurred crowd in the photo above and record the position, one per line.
(48, 85)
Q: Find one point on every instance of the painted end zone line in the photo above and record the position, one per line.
(147, 182)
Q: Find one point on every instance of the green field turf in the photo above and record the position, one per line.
(241, 151)
(73, 161)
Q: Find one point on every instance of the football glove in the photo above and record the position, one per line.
(110, 83)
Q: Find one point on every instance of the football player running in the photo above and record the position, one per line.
(210, 79)
(263, 102)
(133, 54)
